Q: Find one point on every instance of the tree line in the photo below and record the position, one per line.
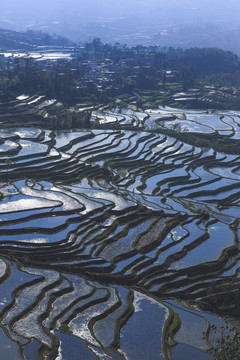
(100, 71)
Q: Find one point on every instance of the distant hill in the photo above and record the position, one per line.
(29, 40)
(185, 23)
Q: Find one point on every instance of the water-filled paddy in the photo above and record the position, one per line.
(119, 244)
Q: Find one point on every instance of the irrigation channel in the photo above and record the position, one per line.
(123, 242)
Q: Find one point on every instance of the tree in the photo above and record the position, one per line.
(187, 76)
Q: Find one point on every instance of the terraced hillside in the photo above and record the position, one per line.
(122, 242)
(41, 111)
(29, 40)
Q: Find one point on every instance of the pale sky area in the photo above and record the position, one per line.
(174, 22)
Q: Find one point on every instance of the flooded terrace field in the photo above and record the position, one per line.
(121, 242)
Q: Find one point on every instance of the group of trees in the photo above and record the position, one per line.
(133, 68)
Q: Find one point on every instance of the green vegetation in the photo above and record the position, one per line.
(102, 73)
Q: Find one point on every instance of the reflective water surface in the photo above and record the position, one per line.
(118, 244)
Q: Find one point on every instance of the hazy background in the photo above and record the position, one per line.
(179, 23)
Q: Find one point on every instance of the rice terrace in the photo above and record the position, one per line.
(120, 241)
